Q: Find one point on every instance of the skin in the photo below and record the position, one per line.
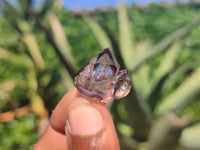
(79, 124)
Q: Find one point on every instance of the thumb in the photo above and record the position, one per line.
(89, 125)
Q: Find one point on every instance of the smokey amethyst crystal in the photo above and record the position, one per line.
(101, 79)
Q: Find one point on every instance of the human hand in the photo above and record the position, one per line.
(88, 126)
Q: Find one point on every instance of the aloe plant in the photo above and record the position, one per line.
(149, 90)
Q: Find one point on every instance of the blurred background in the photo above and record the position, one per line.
(44, 43)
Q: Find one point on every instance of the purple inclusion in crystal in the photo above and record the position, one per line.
(101, 79)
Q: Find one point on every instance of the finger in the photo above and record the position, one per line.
(54, 136)
(58, 118)
(51, 140)
(89, 125)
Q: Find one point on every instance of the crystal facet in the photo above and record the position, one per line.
(101, 79)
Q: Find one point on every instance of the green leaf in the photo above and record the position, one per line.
(162, 74)
(125, 36)
(182, 95)
(167, 63)
(99, 33)
(18, 60)
(61, 40)
(33, 47)
(141, 78)
(165, 43)
(177, 74)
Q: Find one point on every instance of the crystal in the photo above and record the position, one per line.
(101, 78)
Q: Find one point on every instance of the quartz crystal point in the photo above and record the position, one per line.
(101, 79)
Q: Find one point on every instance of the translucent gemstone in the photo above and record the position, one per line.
(101, 79)
(122, 85)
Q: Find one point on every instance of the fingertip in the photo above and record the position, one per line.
(89, 125)
(85, 121)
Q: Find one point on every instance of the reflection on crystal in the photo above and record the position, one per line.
(101, 79)
(122, 84)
